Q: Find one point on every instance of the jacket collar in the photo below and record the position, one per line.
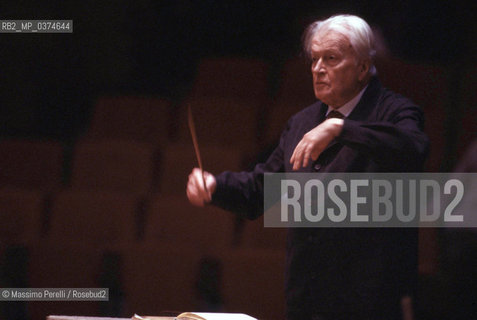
(365, 105)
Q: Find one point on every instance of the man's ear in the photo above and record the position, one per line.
(364, 66)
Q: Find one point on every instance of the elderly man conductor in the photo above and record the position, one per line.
(355, 125)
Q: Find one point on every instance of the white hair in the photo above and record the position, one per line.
(357, 31)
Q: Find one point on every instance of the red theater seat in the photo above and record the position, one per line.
(143, 119)
(113, 165)
(179, 159)
(21, 216)
(31, 164)
(160, 278)
(231, 77)
(172, 219)
(94, 219)
(426, 85)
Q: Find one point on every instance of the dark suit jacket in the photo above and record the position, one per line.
(362, 271)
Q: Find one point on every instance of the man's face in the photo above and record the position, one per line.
(337, 72)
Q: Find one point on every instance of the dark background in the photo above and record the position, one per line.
(48, 82)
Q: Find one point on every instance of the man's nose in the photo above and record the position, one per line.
(318, 66)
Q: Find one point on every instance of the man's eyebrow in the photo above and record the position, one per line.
(332, 43)
(334, 49)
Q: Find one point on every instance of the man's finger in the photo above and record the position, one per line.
(296, 164)
(195, 182)
(297, 152)
(208, 177)
(193, 196)
(296, 156)
(199, 182)
(314, 155)
(306, 158)
(292, 159)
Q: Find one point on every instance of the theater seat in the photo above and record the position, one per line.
(21, 216)
(31, 164)
(64, 266)
(427, 85)
(159, 278)
(179, 159)
(94, 219)
(231, 77)
(142, 119)
(113, 165)
(224, 121)
(172, 219)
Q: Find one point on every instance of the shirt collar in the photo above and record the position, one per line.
(348, 106)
